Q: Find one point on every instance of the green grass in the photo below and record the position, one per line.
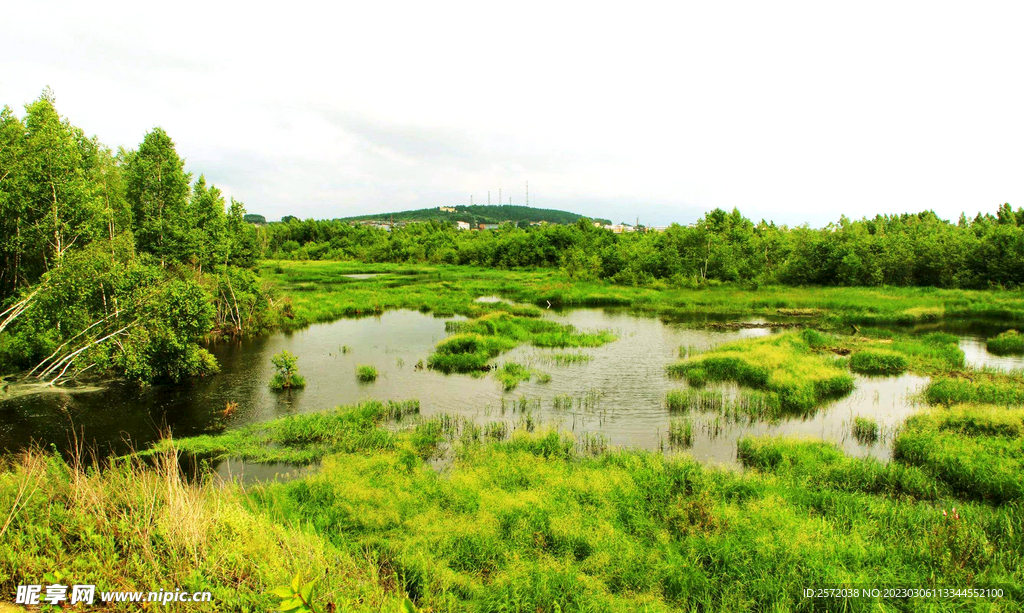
(865, 430)
(878, 362)
(475, 342)
(366, 374)
(976, 450)
(680, 432)
(300, 439)
(566, 359)
(511, 374)
(317, 291)
(525, 522)
(784, 365)
(1010, 342)
(1005, 389)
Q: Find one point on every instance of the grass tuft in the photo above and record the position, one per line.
(366, 374)
(1010, 342)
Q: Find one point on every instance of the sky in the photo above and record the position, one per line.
(796, 112)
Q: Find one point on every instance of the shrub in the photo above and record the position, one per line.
(287, 375)
(366, 374)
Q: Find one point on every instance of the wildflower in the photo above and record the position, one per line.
(944, 513)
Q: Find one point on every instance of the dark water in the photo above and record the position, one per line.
(618, 393)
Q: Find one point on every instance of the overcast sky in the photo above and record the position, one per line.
(796, 112)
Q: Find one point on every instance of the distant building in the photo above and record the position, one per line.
(488, 226)
(657, 228)
(462, 225)
(446, 209)
(619, 228)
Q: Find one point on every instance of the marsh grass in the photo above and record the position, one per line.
(977, 450)
(1010, 342)
(865, 430)
(984, 387)
(878, 362)
(746, 405)
(366, 374)
(566, 359)
(132, 524)
(784, 365)
(319, 293)
(474, 342)
(680, 432)
(511, 374)
(299, 439)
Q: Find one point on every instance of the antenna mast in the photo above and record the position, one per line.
(527, 193)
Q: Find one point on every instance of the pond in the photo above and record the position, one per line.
(619, 392)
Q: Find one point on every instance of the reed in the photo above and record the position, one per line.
(680, 432)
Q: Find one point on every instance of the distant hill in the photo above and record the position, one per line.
(479, 213)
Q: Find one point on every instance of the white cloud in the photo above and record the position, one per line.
(790, 111)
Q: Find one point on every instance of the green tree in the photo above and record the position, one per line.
(157, 188)
(208, 232)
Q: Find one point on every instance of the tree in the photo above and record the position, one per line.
(157, 188)
(243, 246)
(208, 232)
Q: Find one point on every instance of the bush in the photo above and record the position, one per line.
(287, 376)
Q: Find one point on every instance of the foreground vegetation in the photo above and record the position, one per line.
(531, 521)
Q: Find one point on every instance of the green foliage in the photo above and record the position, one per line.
(71, 217)
(1010, 342)
(157, 188)
(887, 250)
(366, 374)
(287, 375)
(878, 362)
(296, 597)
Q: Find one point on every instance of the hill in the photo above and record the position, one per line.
(479, 213)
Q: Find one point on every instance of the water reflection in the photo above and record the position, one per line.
(977, 355)
(619, 392)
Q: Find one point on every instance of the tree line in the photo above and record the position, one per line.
(115, 261)
(908, 249)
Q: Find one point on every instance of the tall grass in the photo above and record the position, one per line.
(680, 432)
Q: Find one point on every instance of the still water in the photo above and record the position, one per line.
(619, 392)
